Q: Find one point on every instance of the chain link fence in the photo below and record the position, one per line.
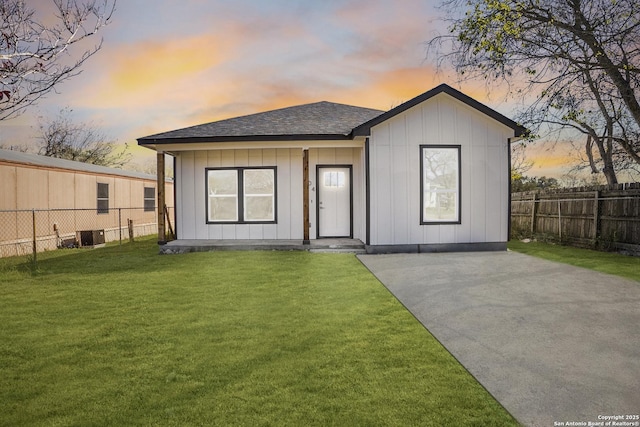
(27, 232)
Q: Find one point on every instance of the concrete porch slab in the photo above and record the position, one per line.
(319, 245)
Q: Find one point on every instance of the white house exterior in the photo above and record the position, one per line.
(431, 174)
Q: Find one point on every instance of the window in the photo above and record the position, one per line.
(241, 195)
(440, 198)
(149, 199)
(334, 179)
(103, 198)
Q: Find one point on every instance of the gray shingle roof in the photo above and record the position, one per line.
(52, 162)
(319, 119)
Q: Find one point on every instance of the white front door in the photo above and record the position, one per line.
(334, 201)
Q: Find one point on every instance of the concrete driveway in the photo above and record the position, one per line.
(551, 342)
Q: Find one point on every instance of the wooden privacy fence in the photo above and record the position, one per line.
(602, 217)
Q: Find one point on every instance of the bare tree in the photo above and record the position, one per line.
(60, 137)
(38, 52)
(578, 59)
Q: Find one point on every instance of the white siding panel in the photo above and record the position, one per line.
(478, 195)
(200, 163)
(399, 196)
(227, 158)
(448, 123)
(495, 207)
(395, 174)
(255, 158)
(241, 158)
(431, 124)
(270, 231)
(414, 127)
(284, 194)
(187, 189)
(431, 234)
(381, 193)
(344, 156)
(464, 124)
(256, 231)
(179, 197)
(447, 233)
(228, 231)
(191, 168)
(359, 195)
(295, 168)
(242, 231)
(463, 231)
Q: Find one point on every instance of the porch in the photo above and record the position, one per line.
(318, 245)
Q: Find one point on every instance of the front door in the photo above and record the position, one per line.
(334, 201)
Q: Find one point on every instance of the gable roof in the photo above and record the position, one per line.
(365, 128)
(316, 121)
(319, 120)
(17, 157)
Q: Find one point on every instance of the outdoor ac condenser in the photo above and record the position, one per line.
(91, 238)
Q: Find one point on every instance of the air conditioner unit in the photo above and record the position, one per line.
(90, 238)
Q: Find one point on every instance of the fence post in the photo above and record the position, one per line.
(559, 221)
(596, 218)
(130, 227)
(120, 225)
(534, 209)
(35, 244)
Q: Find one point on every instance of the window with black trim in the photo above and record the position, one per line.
(241, 195)
(149, 199)
(103, 198)
(440, 185)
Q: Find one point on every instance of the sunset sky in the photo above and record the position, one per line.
(167, 64)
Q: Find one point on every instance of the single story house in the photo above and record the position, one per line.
(57, 198)
(432, 174)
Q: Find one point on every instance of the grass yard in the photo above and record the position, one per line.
(605, 262)
(122, 336)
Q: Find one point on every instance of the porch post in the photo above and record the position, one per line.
(305, 195)
(161, 198)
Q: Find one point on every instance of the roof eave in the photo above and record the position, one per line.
(149, 141)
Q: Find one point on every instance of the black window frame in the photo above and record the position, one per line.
(240, 194)
(458, 220)
(101, 198)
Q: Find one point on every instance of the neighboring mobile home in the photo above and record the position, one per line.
(68, 197)
(431, 174)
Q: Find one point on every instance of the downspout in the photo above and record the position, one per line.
(367, 183)
(509, 141)
(175, 197)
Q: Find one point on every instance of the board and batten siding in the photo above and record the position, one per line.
(395, 174)
(191, 196)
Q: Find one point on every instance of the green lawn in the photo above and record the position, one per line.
(605, 262)
(122, 336)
